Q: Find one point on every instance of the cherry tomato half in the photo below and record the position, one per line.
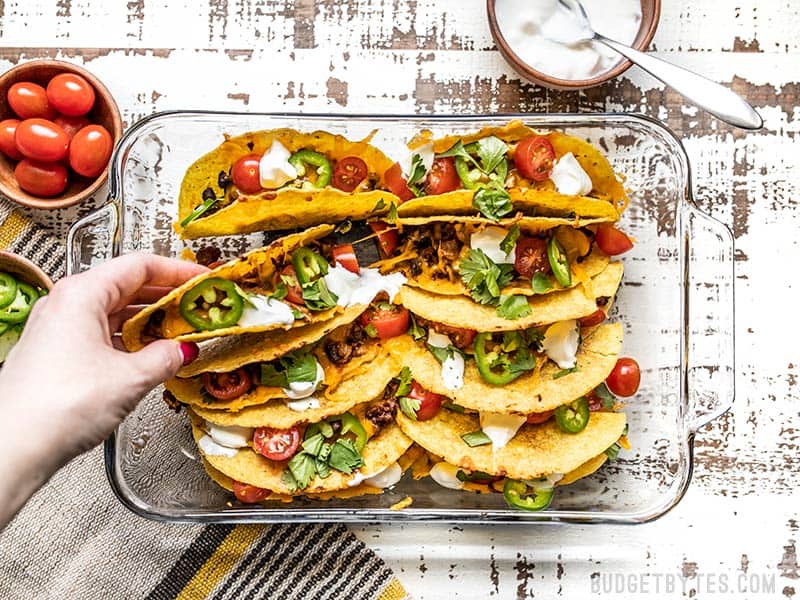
(90, 150)
(42, 140)
(227, 386)
(593, 319)
(71, 125)
(429, 403)
(537, 418)
(387, 240)
(41, 179)
(249, 494)
(70, 94)
(276, 444)
(461, 338)
(348, 173)
(388, 322)
(611, 240)
(294, 292)
(530, 257)
(246, 174)
(624, 378)
(344, 255)
(396, 183)
(7, 146)
(443, 176)
(534, 157)
(29, 100)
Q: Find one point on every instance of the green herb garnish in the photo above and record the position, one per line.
(476, 438)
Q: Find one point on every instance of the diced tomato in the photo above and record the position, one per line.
(611, 240)
(443, 177)
(345, 255)
(294, 292)
(249, 494)
(536, 418)
(396, 182)
(461, 338)
(227, 386)
(389, 320)
(593, 319)
(388, 240)
(530, 257)
(276, 444)
(624, 378)
(429, 403)
(534, 157)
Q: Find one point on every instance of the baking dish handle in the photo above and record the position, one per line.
(709, 318)
(93, 239)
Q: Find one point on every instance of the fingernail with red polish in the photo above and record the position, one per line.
(190, 350)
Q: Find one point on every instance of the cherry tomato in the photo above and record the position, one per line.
(227, 386)
(294, 293)
(344, 255)
(276, 444)
(90, 150)
(71, 125)
(29, 100)
(388, 322)
(534, 157)
(593, 319)
(530, 257)
(387, 240)
(396, 183)
(250, 494)
(443, 177)
(348, 173)
(429, 403)
(41, 140)
(246, 174)
(41, 179)
(70, 94)
(611, 240)
(7, 145)
(624, 378)
(537, 418)
(461, 338)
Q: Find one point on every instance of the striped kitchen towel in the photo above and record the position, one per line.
(75, 540)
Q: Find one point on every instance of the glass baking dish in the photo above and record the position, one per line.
(676, 302)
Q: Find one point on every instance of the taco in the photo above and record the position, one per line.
(290, 283)
(335, 454)
(281, 179)
(502, 170)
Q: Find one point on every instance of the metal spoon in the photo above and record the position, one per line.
(709, 95)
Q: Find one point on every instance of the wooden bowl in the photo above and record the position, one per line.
(24, 270)
(104, 112)
(651, 13)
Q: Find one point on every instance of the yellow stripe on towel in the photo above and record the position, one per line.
(221, 562)
(11, 228)
(393, 591)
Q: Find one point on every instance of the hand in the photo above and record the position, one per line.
(65, 386)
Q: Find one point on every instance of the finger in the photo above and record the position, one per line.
(114, 283)
(116, 320)
(155, 363)
(117, 343)
(150, 293)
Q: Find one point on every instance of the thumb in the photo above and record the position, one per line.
(158, 361)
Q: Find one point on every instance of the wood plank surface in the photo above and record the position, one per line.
(739, 520)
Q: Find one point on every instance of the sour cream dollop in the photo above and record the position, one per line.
(260, 311)
(569, 177)
(302, 405)
(382, 479)
(230, 436)
(274, 167)
(560, 343)
(453, 366)
(298, 390)
(445, 475)
(351, 288)
(489, 240)
(210, 447)
(500, 428)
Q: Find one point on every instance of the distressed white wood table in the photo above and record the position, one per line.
(735, 533)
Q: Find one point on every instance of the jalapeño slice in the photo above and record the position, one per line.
(559, 262)
(573, 417)
(212, 304)
(20, 307)
(308, 265)
(518, 494)
(322, 165)
(502, 363)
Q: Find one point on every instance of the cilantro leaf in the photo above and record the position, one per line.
(417, 331)
(442, 354)
(492, 151)
(541, 283)
(392, 218)
(318, 297)
(302, 469)
(404, 382)
(457, 150)
(280, 291)
(409, 406)
(300, 367)
(272, 377)
(288, 480)
(313, 444)
(523, 361)
(379, 205)
(418, 170)
(483, 277)
(534, 338)
(321, 462)
(612, 452)
(513, 307)
(606, 397)
(492, 203)
(344, 456)
(565, 372)
(508, 243)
